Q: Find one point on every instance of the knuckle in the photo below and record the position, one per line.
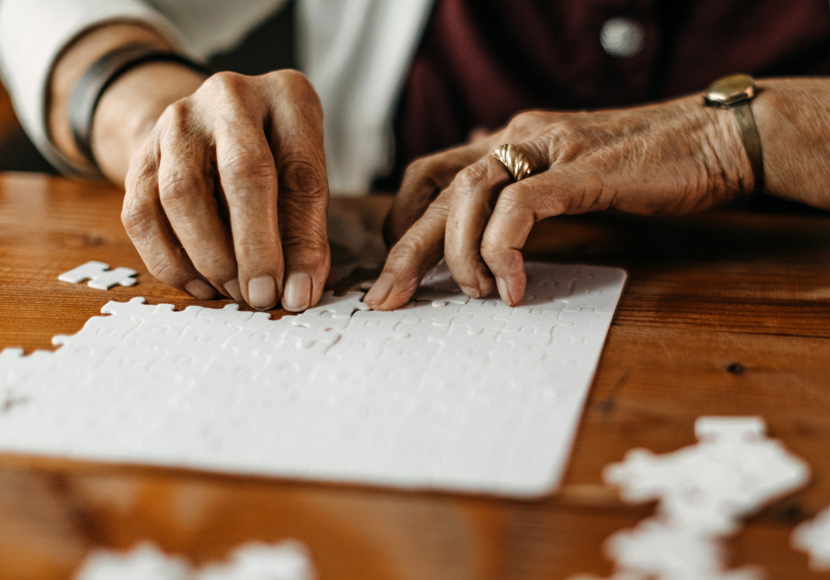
(250, 166)
(227, 95)
(177, 186)
(176, 114)
(136, 216)
(306, 251)
(492, 249)
(225, 82)
(526, 121)
(214, 266)
(302, 175)
(166, 271)
(178, 122)
(296, 83)
(469, 178)
(418, 169)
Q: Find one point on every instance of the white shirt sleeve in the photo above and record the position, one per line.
(32, 35)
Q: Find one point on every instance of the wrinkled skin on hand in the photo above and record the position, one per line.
(463, 205)
(229, 193)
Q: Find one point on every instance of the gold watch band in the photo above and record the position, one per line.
(752, 142)
(736, 92)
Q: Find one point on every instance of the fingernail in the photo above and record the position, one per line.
(469, 291)
(378, 293)
(233, 289)
(200, 289)
(297, 295)
(262, 293)
(504, 291)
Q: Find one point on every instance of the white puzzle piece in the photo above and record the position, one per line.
(813, 537)
(702, 491)
(443, 394)
(99, 275)
(143, 562)
(733, 471)
(287, 560)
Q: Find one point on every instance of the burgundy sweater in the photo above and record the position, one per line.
(481, 61)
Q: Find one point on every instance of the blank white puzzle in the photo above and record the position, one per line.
(446, 393)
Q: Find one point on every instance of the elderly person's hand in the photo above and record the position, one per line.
(225, 177)
(463, 204)
(229, 192)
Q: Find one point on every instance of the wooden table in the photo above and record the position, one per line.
(724, 313)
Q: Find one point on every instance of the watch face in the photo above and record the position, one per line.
(730, 90)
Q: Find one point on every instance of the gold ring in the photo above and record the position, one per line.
(513, 159)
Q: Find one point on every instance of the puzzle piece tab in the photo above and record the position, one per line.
(100, 276)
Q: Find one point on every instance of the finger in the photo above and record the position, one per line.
(415, 253)
(190, 205)
(297, 147)
(248, 177)
(147, 226)
(423, 180)
(473, 193)
(519, 207)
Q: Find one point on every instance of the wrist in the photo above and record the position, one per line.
(715, 140)
(129, 109)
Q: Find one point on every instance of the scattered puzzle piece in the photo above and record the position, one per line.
(730, 473)
(287, 560)
(143, 562)
(813, 537)
(99, 275)
(702, 492)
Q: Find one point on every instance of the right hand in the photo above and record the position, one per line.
(229, 192)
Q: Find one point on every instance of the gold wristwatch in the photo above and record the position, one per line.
(735, 92)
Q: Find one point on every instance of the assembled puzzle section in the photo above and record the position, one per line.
(446, 393)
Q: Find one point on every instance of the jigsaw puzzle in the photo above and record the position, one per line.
(446, 393)
(100, 276)
(702, 491)
(287, 560)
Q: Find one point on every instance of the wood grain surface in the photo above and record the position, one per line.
(724, 313)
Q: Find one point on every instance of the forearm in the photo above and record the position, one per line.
(128, 109)
(793, 118)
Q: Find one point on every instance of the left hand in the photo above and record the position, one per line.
(462, 204)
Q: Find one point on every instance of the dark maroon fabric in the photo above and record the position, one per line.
(481, 61)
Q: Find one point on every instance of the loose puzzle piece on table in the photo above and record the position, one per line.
(813, 537)
(734, 470)
(99, 275)
(287, 560)
(447, 394)
(702, 492)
